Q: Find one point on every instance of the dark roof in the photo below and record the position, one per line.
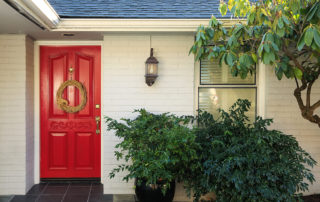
(152, 9)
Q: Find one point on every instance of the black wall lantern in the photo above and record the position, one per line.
(151, 69)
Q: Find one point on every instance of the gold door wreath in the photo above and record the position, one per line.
(63, 104)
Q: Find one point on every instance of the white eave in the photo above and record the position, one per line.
(134, 25)
(38, 11)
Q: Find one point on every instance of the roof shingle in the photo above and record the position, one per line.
(144, 9)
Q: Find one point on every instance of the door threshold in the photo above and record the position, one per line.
(70, 180)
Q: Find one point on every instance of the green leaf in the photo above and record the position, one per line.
(192, 49)
(230, 40)
(229, 59)
(211, 55)
(202, 36)
(223, 9)
(298, 73)
(260, 50)
(280, 32)
(289, 73)
(266, 47)
(269, 37)
(210, 32)
(244, 60)
(314, 46)
(199, 54)
(200, 43)
(285, 19)
(295, 6)
(279, 73)
(268, 58)
(316, 37)
(284, 67)
(251, 17)
(274, 46)
(308, 36)
(280, 23)
(243, 74)
(198, 36)
(222, 59)
(301, 42)
(254, 57)
(312, 11)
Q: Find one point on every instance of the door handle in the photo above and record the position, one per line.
(98, 124)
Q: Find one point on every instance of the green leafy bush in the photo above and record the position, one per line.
(246, 162)
(154, 147)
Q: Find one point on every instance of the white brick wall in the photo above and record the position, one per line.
(16, 86)
(124, 88)
(281, 105)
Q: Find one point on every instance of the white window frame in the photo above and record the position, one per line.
(260, 85)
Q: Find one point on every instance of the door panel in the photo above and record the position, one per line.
(84, 143)
(58, 150)
(57, 75)
(70, 146)
(84, 63)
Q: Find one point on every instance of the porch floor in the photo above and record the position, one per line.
(70, 192)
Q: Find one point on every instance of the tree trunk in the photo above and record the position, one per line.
(307, 110)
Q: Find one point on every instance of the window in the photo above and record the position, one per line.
(219, 89)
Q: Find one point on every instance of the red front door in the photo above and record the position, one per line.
(70, 141)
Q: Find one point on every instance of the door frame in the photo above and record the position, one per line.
(36, 74)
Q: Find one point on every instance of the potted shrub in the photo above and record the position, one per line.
(156, 149)
(239, 161)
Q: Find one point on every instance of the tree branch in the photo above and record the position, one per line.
(297, 94)
(293, 58)
(315, 105)
(307, 112)
(308, 94)
(295, 78)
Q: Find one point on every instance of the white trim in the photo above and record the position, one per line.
(37, 99)
(38, 10)
(136, 25)
(262, 89)
(259, 85)
(36, 79)
(45, 10)
(68, 43)
(196, 85)
(101, 117)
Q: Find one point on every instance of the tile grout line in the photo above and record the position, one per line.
(11, 198)
(65, 193)
(89, 192)
(38, 197)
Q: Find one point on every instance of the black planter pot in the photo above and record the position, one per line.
(147, 193)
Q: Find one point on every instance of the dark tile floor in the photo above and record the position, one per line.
(70, 192)
(5, 198)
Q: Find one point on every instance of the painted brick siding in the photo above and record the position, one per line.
(281, 105)
(12, 114)
(15, 78)
(124, 87)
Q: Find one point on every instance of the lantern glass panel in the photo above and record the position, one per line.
(151, 69)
